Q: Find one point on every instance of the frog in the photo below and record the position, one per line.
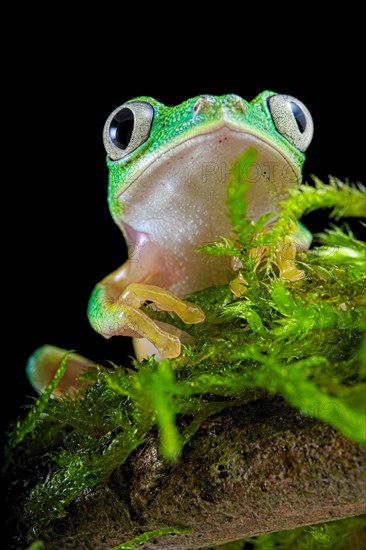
(169, 169)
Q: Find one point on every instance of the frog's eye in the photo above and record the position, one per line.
(292, 120)
(127, 128)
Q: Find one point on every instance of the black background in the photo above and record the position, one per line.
(58, 236)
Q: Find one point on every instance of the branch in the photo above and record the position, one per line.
(253, 469)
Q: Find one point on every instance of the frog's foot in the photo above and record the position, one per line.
(284, 251)
(122, 315)
(43, 364)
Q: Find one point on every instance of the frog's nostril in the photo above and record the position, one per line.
(204, 104)
(237, 102)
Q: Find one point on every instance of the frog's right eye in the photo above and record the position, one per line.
(127, 128)
(292, 120)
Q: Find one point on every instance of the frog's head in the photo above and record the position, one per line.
(172, 164)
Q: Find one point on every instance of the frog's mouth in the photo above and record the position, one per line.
(179, 198)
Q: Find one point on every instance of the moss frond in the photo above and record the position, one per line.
(33, 417)
(343, 199)
(133, 543)
(236, 196)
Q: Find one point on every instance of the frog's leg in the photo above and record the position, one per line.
(43, 364)
(114, 306)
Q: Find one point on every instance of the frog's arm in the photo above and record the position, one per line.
(114, 306)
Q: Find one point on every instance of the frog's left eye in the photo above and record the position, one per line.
(292, 120)
(127, 128)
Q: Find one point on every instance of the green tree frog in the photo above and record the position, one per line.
(168, 174)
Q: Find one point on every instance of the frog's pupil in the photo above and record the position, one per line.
(299, 116)
(121, 128)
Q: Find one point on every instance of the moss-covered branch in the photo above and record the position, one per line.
(290, 323)
(250, 469)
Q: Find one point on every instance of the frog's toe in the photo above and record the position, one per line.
(168, 345)
(43, 364)
(191, 314)
(161, 336)
(136, 294)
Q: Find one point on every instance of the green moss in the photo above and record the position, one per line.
(335, 535)
(299, 336)
(150, 535)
